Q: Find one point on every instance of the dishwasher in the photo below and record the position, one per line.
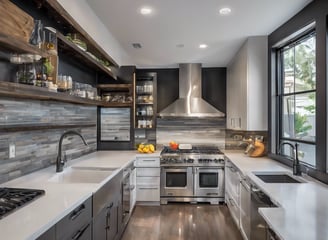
(253, 226)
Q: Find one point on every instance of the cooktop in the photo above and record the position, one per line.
(12, 199)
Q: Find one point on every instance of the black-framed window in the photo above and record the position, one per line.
(296, 97)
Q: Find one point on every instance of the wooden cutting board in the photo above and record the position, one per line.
(14, 21)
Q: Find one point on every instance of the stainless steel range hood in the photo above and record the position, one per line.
(190, 102)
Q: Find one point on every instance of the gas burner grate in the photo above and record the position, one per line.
(198, 149)
(12, 199)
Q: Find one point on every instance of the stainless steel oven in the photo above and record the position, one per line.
(192, 175)
(208, 182)
(176, 181)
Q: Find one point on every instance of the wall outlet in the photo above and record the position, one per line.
(12, 150)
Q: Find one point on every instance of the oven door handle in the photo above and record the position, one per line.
(174, 169)
(209, 169)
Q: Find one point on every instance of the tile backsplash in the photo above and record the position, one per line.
(235, 139)
(36, 149)
(191, 130)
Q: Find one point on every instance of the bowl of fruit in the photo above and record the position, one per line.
(146, 148)
(174, 145)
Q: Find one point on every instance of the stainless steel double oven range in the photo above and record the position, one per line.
(192, 175)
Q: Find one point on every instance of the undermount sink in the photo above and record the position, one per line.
(78, 175)
(94, 168)
(277, 178)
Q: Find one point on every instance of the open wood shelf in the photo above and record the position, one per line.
(73, 50)
(115, 87)
(62, 16)
(115, 104)
(17, 90)
(14, 45)
(41, 126)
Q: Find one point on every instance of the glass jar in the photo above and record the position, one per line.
(36, 36)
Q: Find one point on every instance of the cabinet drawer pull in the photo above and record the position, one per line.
(80, 233)
(149, 160)
(110, 205)
(232, 202)
(145, 188)
(77, 212)
(232, 169)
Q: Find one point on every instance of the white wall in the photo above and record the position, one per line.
(89, 21)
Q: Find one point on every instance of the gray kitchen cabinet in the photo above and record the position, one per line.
(107, 210)
(148, 180)
(50, 234)
(247, 86)
(76, 224)
(105, 225)
(133, 185)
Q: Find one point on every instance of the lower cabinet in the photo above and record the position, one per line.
(99, 218)
(75, 225)
(232, 190)
(234, 209)
(133, 185)
(48, 235)
(148, 189)
(148, 180)
(105, 225)
(107, 210)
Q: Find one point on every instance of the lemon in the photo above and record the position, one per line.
(145, 149)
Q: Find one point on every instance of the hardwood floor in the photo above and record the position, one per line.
(181, 221)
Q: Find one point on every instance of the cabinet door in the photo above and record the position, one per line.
(105, 225)
(148, 172)
(133, 186)
(100, 225)
(48, 235)
(74, 221)
(232, 181)
(84, 233)
(234, 209)
(234, 93)
(148, 193)
(245, 210)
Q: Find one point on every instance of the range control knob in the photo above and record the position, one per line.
(190, 160)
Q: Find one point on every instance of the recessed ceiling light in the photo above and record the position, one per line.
(225, 11)
(145, 10)
(202, 46)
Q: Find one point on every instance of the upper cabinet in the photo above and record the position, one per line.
(247, 78)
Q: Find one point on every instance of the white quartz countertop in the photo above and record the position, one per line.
(35, 218)
(303, 207)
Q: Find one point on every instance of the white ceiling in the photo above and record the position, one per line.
(190, 22)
